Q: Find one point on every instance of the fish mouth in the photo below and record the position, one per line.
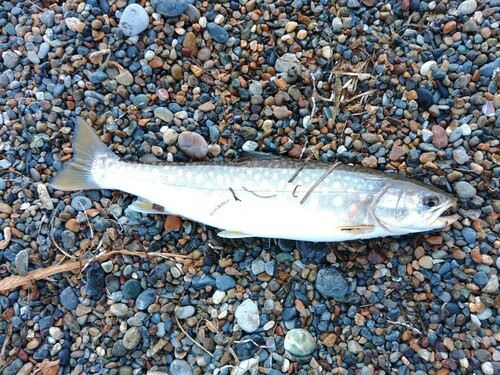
(442, 218)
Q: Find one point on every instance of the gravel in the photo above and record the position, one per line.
(408, 87)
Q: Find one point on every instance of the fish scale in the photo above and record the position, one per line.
(276, 198)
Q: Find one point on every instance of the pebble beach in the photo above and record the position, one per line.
(403, 86)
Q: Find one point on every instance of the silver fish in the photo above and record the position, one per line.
(268, 198)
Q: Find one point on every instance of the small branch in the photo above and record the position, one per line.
(193, 340)
(406, 325)
(12, 282)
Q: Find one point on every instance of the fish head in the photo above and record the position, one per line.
(408, 207)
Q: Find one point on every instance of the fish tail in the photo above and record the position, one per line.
(87, 149)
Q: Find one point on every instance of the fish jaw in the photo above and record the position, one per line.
(438, 220)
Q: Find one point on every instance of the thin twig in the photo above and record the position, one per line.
(407, 325)
(193, 340)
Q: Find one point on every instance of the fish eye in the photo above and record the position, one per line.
(431, 201)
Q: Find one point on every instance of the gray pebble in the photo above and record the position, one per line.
(456, 134)
(13, 367)
(145, 299)
(119, 309)
(33, 57)
(224, 282)
(354, 347)
(134, 20)
(247, 316)
(68, 299)
(467, 7)
(426, 135)
(43, 51)
(118, 349)
(164, 114)
(465, 190)
(299, 342)
(184, 312)
(460, 155)
(131, 338)
(258, 266)
(180, 367)
(170, 8)
(131, 289)
(48, 18)
(68, 239)
(80, 203)
(22, 260)
(218, 33)
(10, 59)
(331, 283)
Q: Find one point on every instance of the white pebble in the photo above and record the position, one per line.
(247, 316)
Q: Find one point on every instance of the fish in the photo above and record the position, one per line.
(276, 198)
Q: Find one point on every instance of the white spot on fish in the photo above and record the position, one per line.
(337, 201)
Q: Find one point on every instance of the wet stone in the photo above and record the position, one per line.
(247, 316)
(80, 203)
(469, 234)
(424, 99)
(170, 8)
(193, 144)
(248, 346)
(225, 282)
(119, 309)
(22, 259)
(118, 349)
(131, 338)
(299, 342)
(481, 278)
(180, 367)
(464, 190)
(10, 59)
(68, 299)
(467, 7)
(331, 283)
(131, 289)
(95, 279)
(218, 33)
(164, 114)
(68, 239)
(134, 20)
(184, 312)
(13, 367)
(145, 299)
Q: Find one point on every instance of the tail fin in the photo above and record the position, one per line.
(87, 149)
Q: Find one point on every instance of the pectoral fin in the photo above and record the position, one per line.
(357, 229)
(146, 207)
(233, 234)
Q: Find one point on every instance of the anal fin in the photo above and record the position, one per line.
(233, 234)
(147, 207)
